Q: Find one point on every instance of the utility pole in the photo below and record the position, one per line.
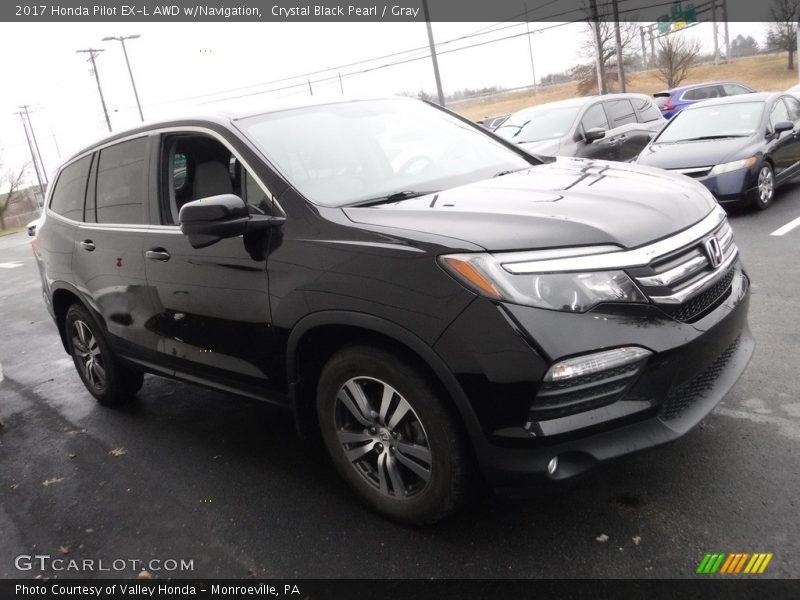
(433, 52)
(93, 52)
(797, 33)
(644, 48)
(530, 47)
(601, 74)
(121, 39)
(25, 107)
(33, 156)
(727, 34)
(716, 33)
(618, 40)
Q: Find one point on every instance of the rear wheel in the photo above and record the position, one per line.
(391, 436)
(765, 187)
(106, 379)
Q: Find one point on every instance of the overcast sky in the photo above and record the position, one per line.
(173, 62)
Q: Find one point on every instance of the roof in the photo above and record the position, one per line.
(689, 86)
(225, 113)
(737, 99)
(581, 101)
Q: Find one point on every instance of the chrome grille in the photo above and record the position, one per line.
(684, 282)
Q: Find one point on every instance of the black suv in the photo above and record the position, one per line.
(431, 300)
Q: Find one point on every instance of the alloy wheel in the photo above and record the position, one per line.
(766, 184)
(88, 355)
(382, 437)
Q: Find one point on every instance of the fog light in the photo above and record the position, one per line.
(594, 363)
(552, 466)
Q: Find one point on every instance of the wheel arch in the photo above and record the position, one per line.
(64, 296)
(316, 337)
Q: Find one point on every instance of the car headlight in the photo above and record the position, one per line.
(569, 291)
(733, 166)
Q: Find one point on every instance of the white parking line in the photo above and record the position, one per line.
(787, 228)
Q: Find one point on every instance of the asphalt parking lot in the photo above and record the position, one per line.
(186, 473)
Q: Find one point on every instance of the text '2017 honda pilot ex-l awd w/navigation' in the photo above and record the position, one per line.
(433, 301)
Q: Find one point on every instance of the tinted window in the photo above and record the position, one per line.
(794, 107)
(647, 110)
(121, 184)
(620, 112)
(734, 89)
(703, 93)
(594, 117)
(778, 114)
(70, 189)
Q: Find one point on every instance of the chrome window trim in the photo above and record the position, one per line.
(148, 133)
(622, 259)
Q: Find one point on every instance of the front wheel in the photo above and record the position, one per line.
(765, 187)
(391, 436)
(106, 379)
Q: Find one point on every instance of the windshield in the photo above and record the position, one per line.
(351, 152)
(717, 121)
(537, 125)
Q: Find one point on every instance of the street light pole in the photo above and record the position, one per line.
(33, 156)
(121, 39)
(530, 47)
(93, 52)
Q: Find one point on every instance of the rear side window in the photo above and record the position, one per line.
(647, 110)
(734, 89)
(121, 183)
(620, 112)
(70, 190)
(704, 93)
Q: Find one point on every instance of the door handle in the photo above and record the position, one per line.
(88, 245)
(157, 254)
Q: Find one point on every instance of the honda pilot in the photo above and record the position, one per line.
(432, 302)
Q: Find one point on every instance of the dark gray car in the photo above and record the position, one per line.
(609, 127)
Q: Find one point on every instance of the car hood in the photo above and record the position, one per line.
(542, 147)
(568, 202)
(685, 155)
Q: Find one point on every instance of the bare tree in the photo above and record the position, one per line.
(675, 55)
(781, 33)
(629, 34)
(10, 181)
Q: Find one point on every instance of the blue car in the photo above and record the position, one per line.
(671, 102)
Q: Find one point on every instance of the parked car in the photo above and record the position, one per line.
(741, 148)
(671, 102)
(492, 123)
(31, 227)
(427, 297)
(611, 127)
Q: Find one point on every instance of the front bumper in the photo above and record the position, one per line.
(732, 187)
(693, 366)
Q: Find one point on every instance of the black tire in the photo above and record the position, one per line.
(110, 382)
(424, 434)
(761, 197)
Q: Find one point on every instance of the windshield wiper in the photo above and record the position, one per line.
(394, 197)
(712, 137)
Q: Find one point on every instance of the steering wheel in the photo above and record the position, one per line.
(425, 161)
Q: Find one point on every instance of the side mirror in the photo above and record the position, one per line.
(208, 220)
(594, 134)
(782, 126)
